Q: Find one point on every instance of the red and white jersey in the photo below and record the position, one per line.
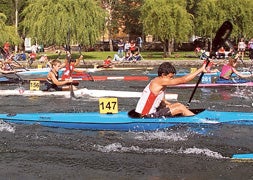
(149, 102)
(68, 71)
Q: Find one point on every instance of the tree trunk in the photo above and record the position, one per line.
(168, 47)
(165, 49)
(110, 44)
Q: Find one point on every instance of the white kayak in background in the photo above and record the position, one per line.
(80, 93)
(44, 71)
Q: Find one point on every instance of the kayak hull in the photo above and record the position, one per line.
(122, 122)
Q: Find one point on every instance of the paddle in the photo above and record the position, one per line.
(72, 94)
(221, 37)
(19, 77)
(197, 84)
(89, 75)
(20, 65)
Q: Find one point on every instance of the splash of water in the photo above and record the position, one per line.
(117, 147)
(162, 135)
(6, 127)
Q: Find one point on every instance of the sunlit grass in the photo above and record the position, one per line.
(101, 55)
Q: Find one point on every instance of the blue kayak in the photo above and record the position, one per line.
(243, 156)
(122, 122)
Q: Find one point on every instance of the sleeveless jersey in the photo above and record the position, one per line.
(50, 80)
(149, 102)
(69, 69)
(226, 72)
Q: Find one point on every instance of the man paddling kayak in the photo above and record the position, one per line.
(52, 83)
(70, 65)
(152, 102)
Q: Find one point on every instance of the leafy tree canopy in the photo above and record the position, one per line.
(49, 21)
(8, 33)
(172, 21)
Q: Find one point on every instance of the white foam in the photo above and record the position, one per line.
(161, 135)
(6, 127)
(205, 151)
(117, 147)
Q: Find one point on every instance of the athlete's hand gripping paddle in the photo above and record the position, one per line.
(221, 37)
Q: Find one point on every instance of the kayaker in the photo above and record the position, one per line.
(209, 68)
(152, 102)
(4, 71)
(52, 82)
(68, 56)
(70, 68)
(107, 63)
(70, 65)
(230, 68)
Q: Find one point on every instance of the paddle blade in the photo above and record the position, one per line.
(134, 114)
(221, 36)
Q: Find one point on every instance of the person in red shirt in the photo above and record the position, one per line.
(221, 53)
(132, 46)
(107, 62)
(70, 65)
(7, 47)
(32, 56)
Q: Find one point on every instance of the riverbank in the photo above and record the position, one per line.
(145, 63)
(148, 63)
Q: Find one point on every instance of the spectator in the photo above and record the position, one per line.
(43, 59)
(121, 48)
(7, 47)
(117, 58)
(127, 47)
(34, 49)
(132, 46)
(139, 43)
(241, 48)
(250, 47)
(221, 53)
(32, 57)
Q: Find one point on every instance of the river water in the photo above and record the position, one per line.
(182, 152)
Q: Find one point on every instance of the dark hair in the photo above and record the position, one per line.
(166, 68)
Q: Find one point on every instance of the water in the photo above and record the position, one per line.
(182, 152)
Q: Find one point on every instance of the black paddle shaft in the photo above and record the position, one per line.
(195, 88)
(80, 53)
(220, 39)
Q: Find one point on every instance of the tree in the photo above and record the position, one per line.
(8, 33)
(49, 21)
(240, 14)
(210, 14)
(107, 5)
(126, 15)
(170, 23)
(206, 18)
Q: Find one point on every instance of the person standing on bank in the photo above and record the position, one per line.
(152, 103)
(250, 47)
(241, 48)
(121, 48)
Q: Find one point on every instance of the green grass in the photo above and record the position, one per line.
(101, 55)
